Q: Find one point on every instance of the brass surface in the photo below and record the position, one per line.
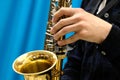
(35, 62)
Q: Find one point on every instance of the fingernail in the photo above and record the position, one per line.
(60, 43)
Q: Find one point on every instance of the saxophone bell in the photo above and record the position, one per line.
(35, 65)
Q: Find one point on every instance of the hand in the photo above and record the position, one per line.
(85, 25)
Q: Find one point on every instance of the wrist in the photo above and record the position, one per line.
(105, 33)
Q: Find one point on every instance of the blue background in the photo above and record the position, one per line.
(22, 29)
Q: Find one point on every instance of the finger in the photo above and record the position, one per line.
(61, 12)
(72, 39)
(62, 23)
(65, 30)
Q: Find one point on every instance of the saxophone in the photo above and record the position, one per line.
(44, 64)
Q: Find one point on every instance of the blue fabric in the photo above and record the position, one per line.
(22, 29)
(76, 3)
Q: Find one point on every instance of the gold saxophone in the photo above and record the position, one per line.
(44, 64)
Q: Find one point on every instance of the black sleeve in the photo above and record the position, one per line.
(85, 3)
(72, 68)
(111, 46)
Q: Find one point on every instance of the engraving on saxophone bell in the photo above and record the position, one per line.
(35, 65)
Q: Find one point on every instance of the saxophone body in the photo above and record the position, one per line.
(44, 64)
